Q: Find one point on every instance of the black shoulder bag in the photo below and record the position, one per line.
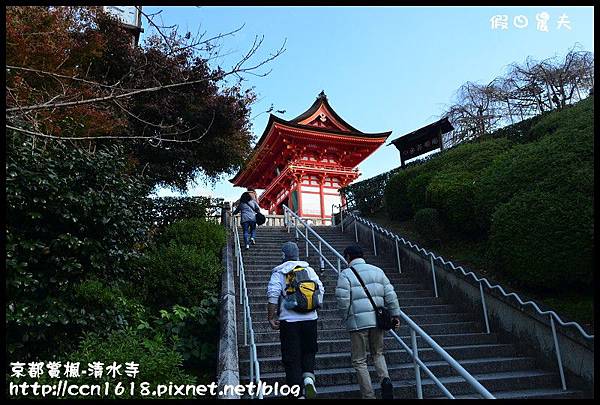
(260, 218)
(382, 315)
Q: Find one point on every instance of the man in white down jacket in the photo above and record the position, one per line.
(359, 316)
(297, 331)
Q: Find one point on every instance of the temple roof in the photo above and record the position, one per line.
(320, 118)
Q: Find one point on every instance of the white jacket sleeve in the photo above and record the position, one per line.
(274, 288)
(342, 295)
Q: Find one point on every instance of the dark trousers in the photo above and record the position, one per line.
(249, 228)
(298, 350)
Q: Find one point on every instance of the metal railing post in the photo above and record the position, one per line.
(241, 291)
(296, 227)
(341, 218)
(332, 215)
(398, 256)
(558, 357)
(374, 244)
(485, 315)
(355, 230)
(245, 324)
(306, 238)
(433, 275)
(321, 263)
(413, 339)
(339, 265)
(251, 366)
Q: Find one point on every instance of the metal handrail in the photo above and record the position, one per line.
(414, 328)
(287, 212)
(553, 315)
(248, 329)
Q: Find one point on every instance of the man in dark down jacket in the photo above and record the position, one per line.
(359, 316)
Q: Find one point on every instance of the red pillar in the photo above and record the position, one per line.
(299, 190)
(322, 197)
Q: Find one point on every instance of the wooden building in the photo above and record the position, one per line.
(304, 162)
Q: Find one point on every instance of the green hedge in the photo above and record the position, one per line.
(179, 274)
(158, 364)
(427, 221)
(543, 240)
(167, 210)
(558, 162)
(197, 233)
(530, 193)
(397, 203)
(71, 216)
(368, 195)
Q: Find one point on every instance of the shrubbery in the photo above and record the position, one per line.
(197, 233)
(396, 202)
(179, 274)
(530, 194)
(179, 270)
(427, 221)
(158, 362)
(71, 216)
(543, 241)
(166, 210)
(80, 262)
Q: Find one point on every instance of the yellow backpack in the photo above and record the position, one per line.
(301, 293)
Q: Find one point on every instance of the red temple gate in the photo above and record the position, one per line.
(304, 162)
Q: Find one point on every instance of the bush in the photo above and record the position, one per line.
(166, 210)
(396, 198)
(368, 195)
(558, 162)
(179, 274)
(158, 363)
(427, 221)
(108, 306)
(543, 240)
(452, 194)
(194, 333)
(197, 233)
(70, 215)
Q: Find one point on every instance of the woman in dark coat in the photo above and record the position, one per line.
(248, 208)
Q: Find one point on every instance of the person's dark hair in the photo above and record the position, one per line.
(353, 252)
(246, 197)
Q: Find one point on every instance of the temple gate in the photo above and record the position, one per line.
(305, 161)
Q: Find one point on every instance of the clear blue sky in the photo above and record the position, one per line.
(382, 68)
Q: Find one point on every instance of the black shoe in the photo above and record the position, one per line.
(387, 389)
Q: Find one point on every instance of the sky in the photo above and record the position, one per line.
(382, 68)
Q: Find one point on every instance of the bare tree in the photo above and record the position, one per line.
(47, 91)
(526, 90)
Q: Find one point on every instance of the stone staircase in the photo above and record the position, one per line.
(497, 365)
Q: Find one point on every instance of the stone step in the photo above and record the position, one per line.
(494, 382)
(270, 335)
(262, 325)
(536, 393)
(261, 291)
(329, 282)
(260, 303)
(396, 356)
(343, 344)
(274, 256)
(410, 311)
(347, 375)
